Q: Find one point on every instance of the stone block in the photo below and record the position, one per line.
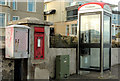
(41, 73)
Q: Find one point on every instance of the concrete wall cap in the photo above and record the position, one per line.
(30, 20)
(19, 26)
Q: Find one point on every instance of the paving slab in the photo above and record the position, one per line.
(113, 75)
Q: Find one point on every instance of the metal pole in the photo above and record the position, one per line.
(101, 53)
(78, 50)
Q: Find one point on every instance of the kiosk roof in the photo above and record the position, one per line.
(97, 3)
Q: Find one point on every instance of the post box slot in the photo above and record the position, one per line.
(38, 45)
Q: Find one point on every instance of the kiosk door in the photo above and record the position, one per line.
(94, 41)
(107, 41)
(89, 44)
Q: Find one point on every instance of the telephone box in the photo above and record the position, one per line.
(38, 43)
(94, 35)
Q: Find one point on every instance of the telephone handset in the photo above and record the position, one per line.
(84, 51)
(84, 38)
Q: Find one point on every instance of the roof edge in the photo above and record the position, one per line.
(98, 3)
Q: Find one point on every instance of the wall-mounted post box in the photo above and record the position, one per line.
(38, 43)
(17, 41)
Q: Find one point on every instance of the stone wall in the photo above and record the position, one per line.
(6, 67)
(59, 41)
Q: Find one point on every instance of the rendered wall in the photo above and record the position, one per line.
(115, 56)
(36, 67)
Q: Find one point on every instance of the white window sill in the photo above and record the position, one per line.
(5, 5)
(31, 11)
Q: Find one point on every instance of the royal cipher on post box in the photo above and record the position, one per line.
(17, 41)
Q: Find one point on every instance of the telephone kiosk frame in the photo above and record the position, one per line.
(94, 37)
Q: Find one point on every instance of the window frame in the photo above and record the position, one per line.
(8, 17)
(9, 3)
(15, 16)
(115, 21)
(28, 8)
(70, 16)
(4, 20)
(75, 26)
(115, 15)
(45, 6)
(67, 27)
(15, 5)
(5, 2)
(45, 17)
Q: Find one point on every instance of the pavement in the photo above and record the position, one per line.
(113, 75)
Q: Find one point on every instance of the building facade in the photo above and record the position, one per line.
(54, 11)
(61, 16)
(65, 16)
(11, 10)
(115, 23)
(15, 10)
(71, 19)
(116, 26)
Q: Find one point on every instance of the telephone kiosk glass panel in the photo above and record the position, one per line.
(90, 38)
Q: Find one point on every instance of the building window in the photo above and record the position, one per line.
(67, 30)
(115, 19)
(5, 2)
(9, 2)
(14, 4)
(80, 3)
(73, 2)
(45, 6)
(15, 18)
(74, 29)
(2, 2)
(72, 15)
(31, 6)
(2, 19)
(114, 16)
(119, 19)
(8, 17)
(45, 17)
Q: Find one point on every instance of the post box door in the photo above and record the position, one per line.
(39, 46)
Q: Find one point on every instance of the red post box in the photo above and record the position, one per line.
(38, 43)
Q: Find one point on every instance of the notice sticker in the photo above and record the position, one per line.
(86, 60)
(38, 43)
